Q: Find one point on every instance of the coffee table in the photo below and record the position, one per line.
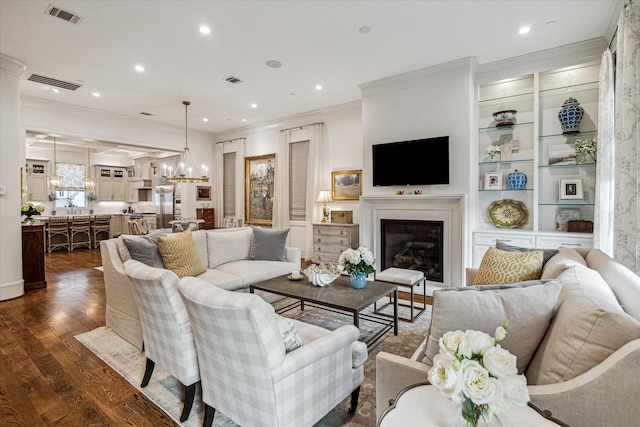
(339, 296)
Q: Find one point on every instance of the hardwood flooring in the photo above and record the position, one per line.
(47, 377)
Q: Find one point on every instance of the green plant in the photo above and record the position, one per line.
(52, 196)
(91, 197)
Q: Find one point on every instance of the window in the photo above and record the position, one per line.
(229, 184)
(72, 194)
(298, 161)
(71, 198)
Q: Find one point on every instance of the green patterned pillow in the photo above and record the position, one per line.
(179, 254)
(290, 336)
(502, 267)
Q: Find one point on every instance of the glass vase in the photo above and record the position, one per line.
(28, 220)
(358, 280)
(484, 420)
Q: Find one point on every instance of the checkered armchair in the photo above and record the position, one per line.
(245, 371)
(166, 330)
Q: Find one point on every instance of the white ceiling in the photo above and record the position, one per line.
(318, 42)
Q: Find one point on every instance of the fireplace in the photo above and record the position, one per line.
(414, 245)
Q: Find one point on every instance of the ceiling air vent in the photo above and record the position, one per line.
(63, 14)
(53, 82)
(233, 80)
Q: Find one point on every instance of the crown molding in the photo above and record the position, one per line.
(11, 65)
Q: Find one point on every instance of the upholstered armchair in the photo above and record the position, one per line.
(247, 374)
(166, 329)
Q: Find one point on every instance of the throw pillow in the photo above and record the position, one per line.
(144, 248)
(227, 245)
(502, 267)
(180, 255)
(528, 307)
(290, 336)
(566, 258)
(546, 253)
(268, 245)
(589, 325)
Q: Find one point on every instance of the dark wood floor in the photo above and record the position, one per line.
(47, 378)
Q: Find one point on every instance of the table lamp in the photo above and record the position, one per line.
(324, 197)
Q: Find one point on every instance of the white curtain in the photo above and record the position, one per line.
(281, 184)
(317, 180)
(240, 178)
(217, 185)
(604, 197)
(627, 117)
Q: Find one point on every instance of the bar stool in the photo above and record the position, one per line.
(403, 278)
(58, 226)
(101, 224)
(80, 225)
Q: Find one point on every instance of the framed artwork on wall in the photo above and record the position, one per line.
(493, 180)
(346, 185)
(571, 189)
(204, 193)
(259, 172)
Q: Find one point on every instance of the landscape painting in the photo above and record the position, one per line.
(346, 185)
(260, 172)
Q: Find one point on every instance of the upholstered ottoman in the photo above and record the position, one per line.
(404, 278)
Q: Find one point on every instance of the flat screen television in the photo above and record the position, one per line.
(417, 162)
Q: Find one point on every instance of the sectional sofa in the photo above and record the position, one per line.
(226, 255)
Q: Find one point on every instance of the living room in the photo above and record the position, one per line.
(437, 99)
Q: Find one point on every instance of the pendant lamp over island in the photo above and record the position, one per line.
(187, 169)
(54, 180)
(89, 182)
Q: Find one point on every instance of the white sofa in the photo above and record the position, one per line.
(225, 253)
(591, 388)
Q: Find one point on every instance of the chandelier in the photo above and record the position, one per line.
(89, 182)
(187, 170)
(54, 180)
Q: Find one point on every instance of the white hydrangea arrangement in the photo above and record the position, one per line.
(30, 209)
(587, 146)
(359, 260)
(473, 370)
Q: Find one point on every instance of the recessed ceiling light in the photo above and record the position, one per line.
(273, 63)
(54, 89)
(204, 29)
(365, 30)
(318, 87)
(204, 119)
(254, 105)
(96, 94)
(139, 68)
(244, 120)
(524, 30)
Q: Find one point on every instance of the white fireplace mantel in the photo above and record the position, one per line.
(448, 208)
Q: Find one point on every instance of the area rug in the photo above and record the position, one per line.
(100, 268)
(166, 392)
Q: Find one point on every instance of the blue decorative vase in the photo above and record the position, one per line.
(516, 180)
(570, 116)
(358, 280)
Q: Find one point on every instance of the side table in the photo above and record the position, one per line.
(33, 257)
(422, 404)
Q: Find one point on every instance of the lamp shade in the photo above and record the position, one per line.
(324, 197)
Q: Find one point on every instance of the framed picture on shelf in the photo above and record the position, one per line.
(493, 180)
(259, 173)
(562, 154)
(571, 189)
(204, 193)
(564, 215)
(346, 185)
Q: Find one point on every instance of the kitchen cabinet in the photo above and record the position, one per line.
(35, 179)
(111, 183)
(329, 240)
(207, 215)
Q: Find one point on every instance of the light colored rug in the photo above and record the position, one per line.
(166, 392)
(101, 268)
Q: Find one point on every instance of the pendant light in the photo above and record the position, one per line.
(54, 180)
(187, 170)
(89, 182)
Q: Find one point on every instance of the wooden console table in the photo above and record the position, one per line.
(33, 257)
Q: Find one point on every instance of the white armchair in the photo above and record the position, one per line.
(245, 371)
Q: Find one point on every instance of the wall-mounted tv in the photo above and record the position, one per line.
(417, 162)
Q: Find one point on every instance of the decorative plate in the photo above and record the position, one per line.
(507, 213)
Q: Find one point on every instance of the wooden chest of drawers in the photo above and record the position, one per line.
(329, 240)
(207, 215)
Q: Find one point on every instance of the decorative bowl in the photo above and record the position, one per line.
(505, 117)
(321, 275)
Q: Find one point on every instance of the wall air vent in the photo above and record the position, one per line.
(144, 113)
(53, 82)
(62, 14)
(233, 80)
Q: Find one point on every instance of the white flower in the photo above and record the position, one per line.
(514, 392)
(500, 334)
(477, 384)
(499, 362)
(479, 342)
(453, 342)
(444, 375)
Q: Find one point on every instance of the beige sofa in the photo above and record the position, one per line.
(585, 368)
(225, 253)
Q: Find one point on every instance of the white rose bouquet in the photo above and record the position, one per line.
(473, 370)
(357, 260)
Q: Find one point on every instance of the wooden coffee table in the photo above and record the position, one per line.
(339, 296)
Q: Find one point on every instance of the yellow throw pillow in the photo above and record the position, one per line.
(179, 254)
(502, 267)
